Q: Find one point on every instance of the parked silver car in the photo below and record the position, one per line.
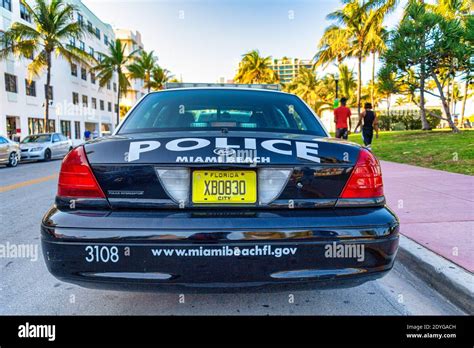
(9, 152)
(45, 146)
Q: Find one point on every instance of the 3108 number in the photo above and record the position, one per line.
(104, 254)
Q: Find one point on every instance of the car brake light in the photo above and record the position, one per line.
(76, 178)
(366, 178)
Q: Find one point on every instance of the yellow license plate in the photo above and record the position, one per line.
(224, 186)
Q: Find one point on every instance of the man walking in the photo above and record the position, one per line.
(342, 115)
(369, 122)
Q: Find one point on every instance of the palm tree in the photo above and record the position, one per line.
(53, 27)
(350, 36)
(254, 68)
(376, 38)
(347, 82)
(159, 77)
(115, 63)
(334, 45)
(317, 93)
(142, 68)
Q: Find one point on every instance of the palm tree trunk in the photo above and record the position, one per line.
(118, 105)
(424, 122)
(373, 81)
(48, 83)
(464, 99)
(388, 112)
(359, 81)
(453, 102)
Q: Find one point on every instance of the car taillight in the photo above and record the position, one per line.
(76, 178)
(366, 178)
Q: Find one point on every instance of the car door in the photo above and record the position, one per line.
(3, 150)
(64, 144)
(56, 150)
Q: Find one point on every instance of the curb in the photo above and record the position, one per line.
(450, 280)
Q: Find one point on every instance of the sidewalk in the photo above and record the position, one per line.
(436, 209)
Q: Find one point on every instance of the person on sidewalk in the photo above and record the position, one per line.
(342, 115)
(368, 121)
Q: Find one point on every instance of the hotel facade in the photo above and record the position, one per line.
(78, 102)
(288, 68)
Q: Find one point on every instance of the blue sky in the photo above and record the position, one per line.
(201, 40)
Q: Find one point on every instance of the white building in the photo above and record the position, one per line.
(78, 103)
(133, 42)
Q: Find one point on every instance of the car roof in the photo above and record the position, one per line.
(256, 90)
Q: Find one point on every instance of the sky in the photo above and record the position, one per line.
(202, 40)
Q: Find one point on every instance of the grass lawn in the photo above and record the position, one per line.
(439, 149)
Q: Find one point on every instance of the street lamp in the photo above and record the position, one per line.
(336, 79)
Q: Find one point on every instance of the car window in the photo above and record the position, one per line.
(201, 109)
(55, 138)
(43, 138)
(62, 137)
(3, 140)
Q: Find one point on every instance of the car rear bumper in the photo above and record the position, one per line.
(209, 251)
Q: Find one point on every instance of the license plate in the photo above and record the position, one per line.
(224, 186)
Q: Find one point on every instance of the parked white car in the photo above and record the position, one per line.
(45, 146)
(9, 152)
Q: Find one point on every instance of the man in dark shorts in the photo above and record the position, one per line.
(342, 115)
(369, 123)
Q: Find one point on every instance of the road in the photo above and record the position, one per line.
(26, 287)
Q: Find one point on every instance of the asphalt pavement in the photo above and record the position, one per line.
(26, 287)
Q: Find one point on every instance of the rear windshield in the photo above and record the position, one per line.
(217, 109)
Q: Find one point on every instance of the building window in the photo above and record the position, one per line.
(108, 85)
(24, 14)
(66, 128)
(74, 69)
(93, 77)
(109, 106)
(99, 57)
(48, 92)
(7, 4)
(10, 83)
(89, 26)
(97, 33)
(115, 87)
(30, 87)
(85, 101)
(75, 98)
(80, 19)
(84, 74)
(77, 129)
(91, 51)
(94, 103)
(101, 105)
(72, 41)
(106, 40)
(36, 125)
(82, 45)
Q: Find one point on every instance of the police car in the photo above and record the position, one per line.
(219, 187)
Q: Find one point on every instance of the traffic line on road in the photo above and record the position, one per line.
(27, 183)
